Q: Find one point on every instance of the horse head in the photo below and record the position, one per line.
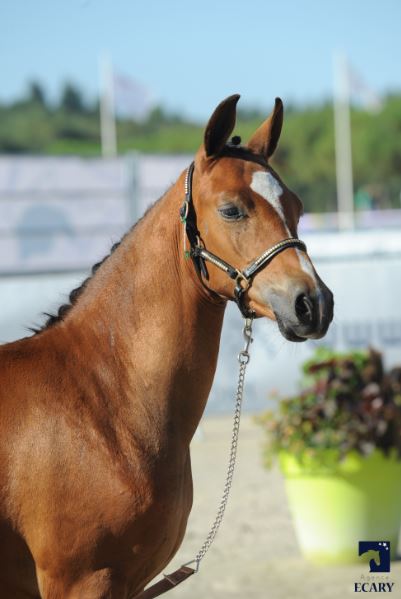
(242, 208)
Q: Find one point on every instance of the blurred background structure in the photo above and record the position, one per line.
(103, 104)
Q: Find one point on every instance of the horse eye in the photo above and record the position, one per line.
(231, 212)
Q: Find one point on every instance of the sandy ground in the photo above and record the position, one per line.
(255, 554)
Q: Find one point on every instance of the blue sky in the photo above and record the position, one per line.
(193, 54)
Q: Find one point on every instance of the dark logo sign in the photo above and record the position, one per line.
(380, 561)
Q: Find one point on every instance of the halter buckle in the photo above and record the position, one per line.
(242, 281)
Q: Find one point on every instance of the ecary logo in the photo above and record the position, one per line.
(378, 553)
(380, 561)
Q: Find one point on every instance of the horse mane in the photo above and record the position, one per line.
(76, 293)
(73, 297)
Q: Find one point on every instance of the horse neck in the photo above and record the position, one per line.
(146, 318)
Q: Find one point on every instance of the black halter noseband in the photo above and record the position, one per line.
(199, 254)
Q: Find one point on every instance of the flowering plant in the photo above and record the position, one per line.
(347, 402)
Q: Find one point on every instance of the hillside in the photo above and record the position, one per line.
(305, 157)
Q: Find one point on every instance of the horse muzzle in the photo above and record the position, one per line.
(302, 313)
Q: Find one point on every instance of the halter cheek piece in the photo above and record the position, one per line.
(199, 254)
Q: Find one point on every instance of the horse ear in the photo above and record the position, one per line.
(265, 139)
(220, 126)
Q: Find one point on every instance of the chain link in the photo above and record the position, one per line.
(243, 359)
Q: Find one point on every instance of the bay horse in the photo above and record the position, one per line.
(98, 408)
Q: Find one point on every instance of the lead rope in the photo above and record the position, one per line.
(243, 359)
(172, 580)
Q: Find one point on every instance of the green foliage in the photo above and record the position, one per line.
(347, 403)
(72, 100)
(37, 94)
(305, 157)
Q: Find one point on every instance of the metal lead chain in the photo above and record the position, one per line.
(243, 359)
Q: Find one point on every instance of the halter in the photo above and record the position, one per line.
(199, 254)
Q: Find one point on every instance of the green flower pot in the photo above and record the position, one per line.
(335, 504)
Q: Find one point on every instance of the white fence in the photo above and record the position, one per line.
(63, 214)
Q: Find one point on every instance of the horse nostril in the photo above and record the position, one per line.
(304, 309)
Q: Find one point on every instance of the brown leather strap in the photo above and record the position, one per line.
(167, 583)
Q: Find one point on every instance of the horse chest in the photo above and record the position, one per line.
(169, 502)
(156, 531)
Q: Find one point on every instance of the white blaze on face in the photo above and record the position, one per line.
(306, 264)
(267, 186)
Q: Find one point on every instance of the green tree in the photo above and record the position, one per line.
(36, 94)
(72, 99)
